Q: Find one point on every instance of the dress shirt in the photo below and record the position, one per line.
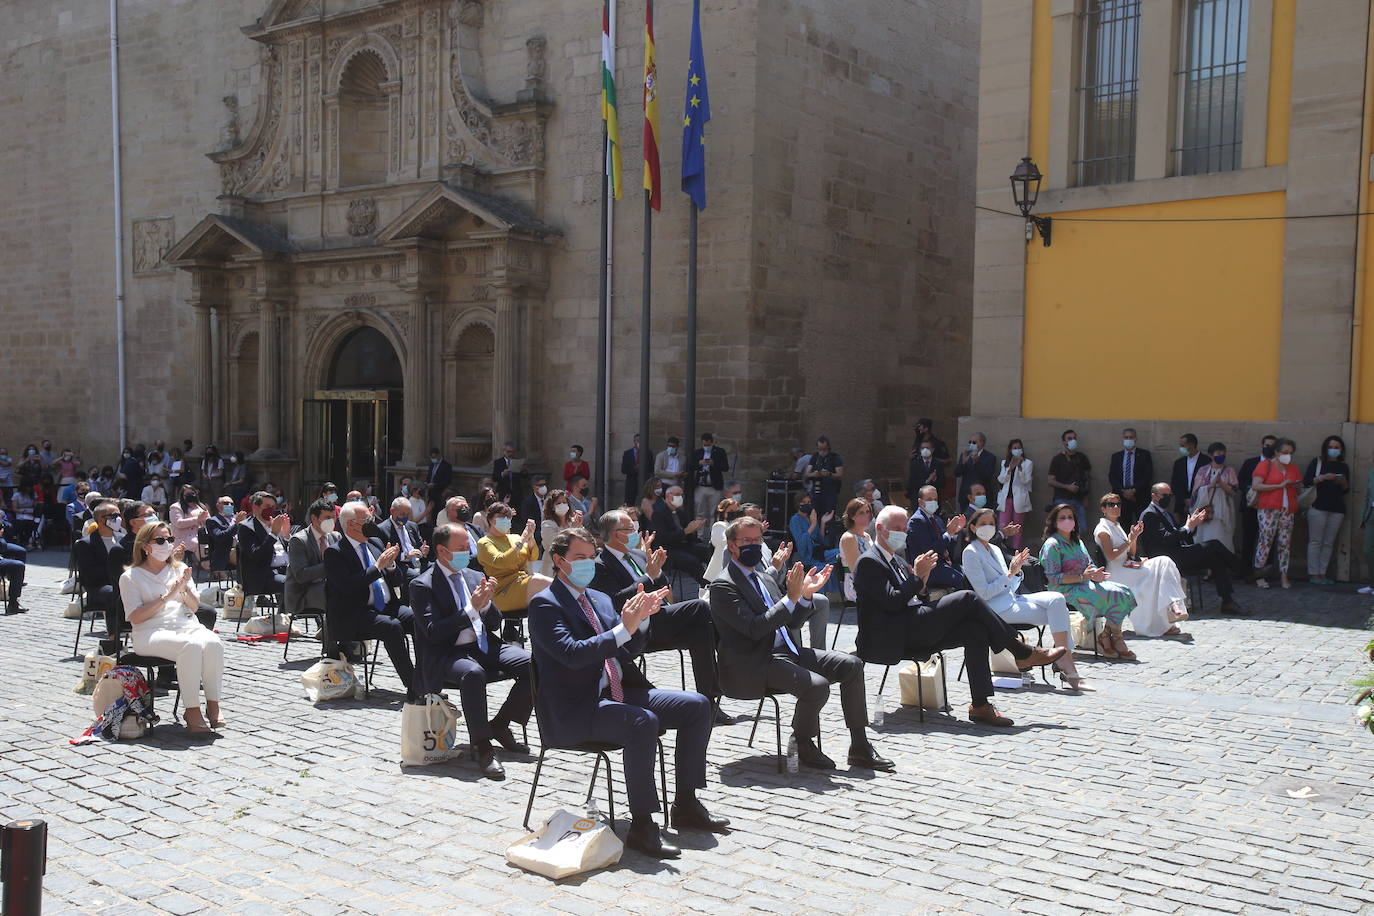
(377, 588)
(781, 638)
(463, 598)
(899, 566)
(402, 538)
(627, 561)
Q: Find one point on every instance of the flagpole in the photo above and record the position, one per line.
(690, 407)
(644, 467)
(603, 324)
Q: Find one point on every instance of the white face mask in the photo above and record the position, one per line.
(675, 501)
(931, 506)
(160, 552)
(985, 532)
(1016, 452)
(925, 453)
(327, 525)
(1071, 444)
(541, 491)
(572, 456)
(116, 524)
(560, 510)
(877, 494)
(1128, 443)
(1285, 458)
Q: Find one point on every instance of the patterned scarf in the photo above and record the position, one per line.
(135, 698)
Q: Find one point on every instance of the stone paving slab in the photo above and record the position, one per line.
(1165, 792)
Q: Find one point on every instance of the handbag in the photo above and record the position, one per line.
(566, 844)
(923, 684)
(73, 610)
(429, 731)
(71, 586)
(94, 669)
(331, 679)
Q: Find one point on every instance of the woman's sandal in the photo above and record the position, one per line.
(1122, 650)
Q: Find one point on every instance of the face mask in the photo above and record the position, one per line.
(327, 525)
(227, 511)
(125, 455)
(1065, 525)
(672, 450)
(464, 514)
(116, 524)
(459, 560)
(405, 489)
(877, 494)
(232, 460)
(160, 552)
(980, 501)
(502, 524)
(1165, 500)
(1016, 452)
(1285, 458)
(985, 532)
(1267, 451)
(1071, 444)
(750, 555)
(1333, 453)
(150, 519)
(560, 510)
(632, 541)
(896, 541)
(675, 501)
(1219, 459)
(1128, 443)
(925, 453)
(804, 508)
(541, 491)
(572, 456)
(331, 498)
(658, 491)
(931, 506)
(582, 572)
(1183, 450)
(973, 446)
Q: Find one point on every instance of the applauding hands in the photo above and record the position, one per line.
(641, 606)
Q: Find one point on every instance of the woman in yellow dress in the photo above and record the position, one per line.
(505, 557)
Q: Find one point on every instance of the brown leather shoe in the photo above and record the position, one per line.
(1040, 657)
(988, 715)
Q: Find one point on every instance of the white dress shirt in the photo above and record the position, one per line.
(462, 596)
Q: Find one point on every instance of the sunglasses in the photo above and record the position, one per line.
(162, 540)
(1112, 505)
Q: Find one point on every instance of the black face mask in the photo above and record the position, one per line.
(464, 514)
(1267, 451)
(1164, 501)
(804, 508)
(751, 555)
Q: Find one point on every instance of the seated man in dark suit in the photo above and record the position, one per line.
(895, 624)
(458, 512)
(363, 594)
(219, 533)
(457, 639)
(928, 532)
(759, 620)
(591, 690)
(1163, 537)
(262, 547)
(676, 532)
(92, 556)
(401, 532)
(622, 569)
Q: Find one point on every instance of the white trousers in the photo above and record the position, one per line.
(1047, 609)
(1322, 530)
(199, 657)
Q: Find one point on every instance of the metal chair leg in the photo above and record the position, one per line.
(756, 721)
(610, 789)
(777, 732)
(534, 785)
(921, 693)
(591, 786)
(839, 625)
(944, 684)
(682, 667)
(663, 779)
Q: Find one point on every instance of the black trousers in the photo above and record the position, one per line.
(1209, 556)
(635, 724)
(388, 629)
(687, 625)
(962, 619)
(808, 676)
(471, 675)
(689, 560)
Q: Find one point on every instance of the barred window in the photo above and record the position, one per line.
(1107, 91)
(1211, 86)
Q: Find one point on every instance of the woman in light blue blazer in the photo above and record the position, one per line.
(996, 583)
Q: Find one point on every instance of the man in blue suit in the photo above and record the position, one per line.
(590, 690)
(457, 639)
(929, 532)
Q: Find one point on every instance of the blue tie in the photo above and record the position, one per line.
(462, 596)
(782, 631)
(1128, 476)
(378, 591)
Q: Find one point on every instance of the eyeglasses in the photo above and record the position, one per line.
(1111, 505)
(164, 540)
(631, 530)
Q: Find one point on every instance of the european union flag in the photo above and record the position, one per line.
(696, 112)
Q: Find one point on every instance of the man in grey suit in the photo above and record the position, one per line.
(305, 560)
(759, 616)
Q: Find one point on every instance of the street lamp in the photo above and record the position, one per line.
(1025, 190)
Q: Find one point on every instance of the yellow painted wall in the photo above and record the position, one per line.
(1156, 320)
(1362, 350)
(1280, 81)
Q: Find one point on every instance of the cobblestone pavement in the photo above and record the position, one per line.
(1167, 791)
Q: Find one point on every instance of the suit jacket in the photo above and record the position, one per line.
(1182, 481)
(389, 535)
(257, 547)
(925, 532)
(614, 580)
(1162, 537)
(715, 477)
(92, 562)
(505, 487)
(746, 629)
(348, 587)
(986, 571)
(1143, 474)
(629, 466)
(669, 528)
(884, 611)
(305, 570)
(917, 472)
(440, 476)
(532, 508)
(219, 539)
(570, 656)
(439, 622)
(983, 470)
(1247, 474)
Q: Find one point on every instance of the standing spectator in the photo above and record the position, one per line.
(1185, 470)
(30, 467)
(1014, 499)
(925, 432)
(131, 469)
(47, 455)
(1214, 491)
(176, 468)
(575, 467)
(825, 472)
(1070, 472)
(6, 474)
(976, 465)
(66, 467)
(1277, 482)
(155, 495)
(709, 464)
(801, 460)
(236, 476)
(629, 467)
(437, 481)
(212, 474)
(156, 464)
(532, 509)
(670, 467)
(1249, 515)
(925, 470)
(1329, 473)
(506, 473)
(1130, 475)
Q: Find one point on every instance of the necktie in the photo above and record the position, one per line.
(783, 635)
(323, 545)
(461, 596)
(1128, 472)
(405, 541)
(612, 672)
(902, 572)
(378, 592)
(633, 565)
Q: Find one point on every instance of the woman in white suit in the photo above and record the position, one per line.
(996, 582)
(1014, 499)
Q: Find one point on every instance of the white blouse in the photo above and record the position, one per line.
(139, 585)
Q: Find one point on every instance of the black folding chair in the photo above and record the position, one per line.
(148, 663)
(306, 614)
(1021, 628)
(920, 688)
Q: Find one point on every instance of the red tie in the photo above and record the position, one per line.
(612, 672)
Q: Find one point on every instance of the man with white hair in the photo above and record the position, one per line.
(458, 512)
(895, 624)
(400, 531)
(363, 593)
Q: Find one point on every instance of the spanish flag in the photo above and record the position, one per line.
(608, 105)
(652, 180)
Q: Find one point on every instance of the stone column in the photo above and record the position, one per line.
(269, 396)
(415, 452)
(505, 421)
(214, 371)
(205, 367)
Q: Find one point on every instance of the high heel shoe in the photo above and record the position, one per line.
(1122, 650)
(1075, 681)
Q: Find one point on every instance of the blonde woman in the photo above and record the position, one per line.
(505, 558)
(160, 603)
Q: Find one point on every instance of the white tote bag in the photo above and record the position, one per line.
(429, 731)
(330, 679)
(923, 681)
(566, 844)
(95, 667)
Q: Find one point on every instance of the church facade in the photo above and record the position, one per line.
(355, 229)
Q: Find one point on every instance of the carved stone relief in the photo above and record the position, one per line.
(362, 217)
(152, 239)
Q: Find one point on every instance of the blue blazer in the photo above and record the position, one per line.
(569, 655)
(986, 571)
(926, 532)
(439, 621)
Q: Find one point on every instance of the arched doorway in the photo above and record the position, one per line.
(353, 425)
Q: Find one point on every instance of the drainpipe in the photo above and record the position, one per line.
(119, 226)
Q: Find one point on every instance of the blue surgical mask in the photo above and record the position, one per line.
(502, 524)
(1017, 453)
(672, 450)
(1333, 453)
(896, 541)
(1071, 444)
(980, 501)
(459, 560)
(632, 541)
(1183, 450)
(582, 572)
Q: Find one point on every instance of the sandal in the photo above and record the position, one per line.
(1172, 631)
(1122, 650)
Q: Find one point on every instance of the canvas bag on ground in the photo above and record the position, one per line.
(931, 686)
(429, 731)
(1082, 629)
(73, 611)
(330, 679)
(71, 586)
(234, 605)
(95, 667)
(566, 844)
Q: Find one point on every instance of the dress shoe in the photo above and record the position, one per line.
(692, 815)
(988, 715)
(720, 716)
(15, 608)
(866, 757)
(501, 732)
(644, 837)
(809, 755)
(1040, 657)
(1230, 607)
(489, 765)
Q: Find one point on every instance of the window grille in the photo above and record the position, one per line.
(1107, 91)
(1211, 86)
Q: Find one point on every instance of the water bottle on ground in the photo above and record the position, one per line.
(792, 763)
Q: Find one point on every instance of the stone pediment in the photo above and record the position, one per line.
(220, 238)
(449, 213)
